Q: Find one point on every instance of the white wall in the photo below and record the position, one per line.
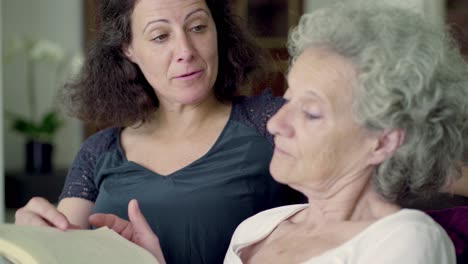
(61, 22)
(2, 185)
(435, 9)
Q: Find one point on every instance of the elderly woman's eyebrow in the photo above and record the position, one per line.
(314, 94)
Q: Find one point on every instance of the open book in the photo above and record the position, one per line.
(46, 245)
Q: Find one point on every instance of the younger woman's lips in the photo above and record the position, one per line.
(190, 76)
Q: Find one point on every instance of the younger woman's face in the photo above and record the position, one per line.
(174, 42)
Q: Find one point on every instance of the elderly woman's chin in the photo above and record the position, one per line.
(281, 169)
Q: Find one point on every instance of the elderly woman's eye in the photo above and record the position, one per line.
(311, 115)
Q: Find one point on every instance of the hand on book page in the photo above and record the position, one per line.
(137, 230)
(40, 212)
(47, 245)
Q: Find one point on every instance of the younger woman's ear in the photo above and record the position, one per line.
(387, 143)
(128, 52)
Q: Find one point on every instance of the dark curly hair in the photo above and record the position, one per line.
(111, 91)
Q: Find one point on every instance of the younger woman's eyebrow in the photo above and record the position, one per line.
(196, 11)
(167, 21)
(155, 21)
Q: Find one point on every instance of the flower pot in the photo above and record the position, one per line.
(38, 157)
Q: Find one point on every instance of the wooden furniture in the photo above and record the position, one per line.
(270, 21)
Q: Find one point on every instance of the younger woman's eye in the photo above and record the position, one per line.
(198, 28)
(160, 38)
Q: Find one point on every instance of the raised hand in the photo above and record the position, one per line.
(137, 230)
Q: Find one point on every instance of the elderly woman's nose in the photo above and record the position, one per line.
(281, 122)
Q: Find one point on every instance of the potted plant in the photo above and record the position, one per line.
(38, 129)
(39, 135)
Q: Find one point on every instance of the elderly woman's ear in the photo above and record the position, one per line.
(386, 144)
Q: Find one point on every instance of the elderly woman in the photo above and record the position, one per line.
(376, 114)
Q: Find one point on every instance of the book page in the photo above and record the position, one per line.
(28, 244)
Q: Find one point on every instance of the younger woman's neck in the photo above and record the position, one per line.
(186, 118)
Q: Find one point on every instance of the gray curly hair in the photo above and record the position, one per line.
(411, 77)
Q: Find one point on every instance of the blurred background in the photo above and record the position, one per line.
(43, 43)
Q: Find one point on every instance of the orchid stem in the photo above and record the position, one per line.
(31, 89)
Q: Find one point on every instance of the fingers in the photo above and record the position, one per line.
(143, 235)
(24, 217)
(72, 226)
(40, 212)
(119, 225)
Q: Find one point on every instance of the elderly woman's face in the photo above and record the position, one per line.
(174, 42)
(317, 140)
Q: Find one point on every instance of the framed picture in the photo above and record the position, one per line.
(457, 18)
(270, 20)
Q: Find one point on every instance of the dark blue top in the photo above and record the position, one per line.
(195, 210)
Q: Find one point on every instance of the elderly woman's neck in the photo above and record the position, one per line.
(358, 201)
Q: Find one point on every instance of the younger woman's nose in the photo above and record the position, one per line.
(185, 51)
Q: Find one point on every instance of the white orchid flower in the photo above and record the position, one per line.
(76, 62)
(46, 50)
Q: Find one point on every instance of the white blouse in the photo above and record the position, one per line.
(408, 236)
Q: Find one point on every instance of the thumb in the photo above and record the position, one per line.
(143, 235)
(138, 220)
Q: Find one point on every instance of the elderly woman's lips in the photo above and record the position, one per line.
(282, 152)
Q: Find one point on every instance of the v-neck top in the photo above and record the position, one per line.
(407, 236)
(194, 210)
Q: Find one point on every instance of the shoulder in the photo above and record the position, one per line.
(412, 224)
(97, 144)
(255, 111)
(410, 219)
(409, 236)
(262, 223)
(101, 141)
(265, 103)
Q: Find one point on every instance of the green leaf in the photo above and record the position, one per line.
(43, 131)
(50, 123)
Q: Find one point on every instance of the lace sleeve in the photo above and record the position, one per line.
(80, 178)
(255, 111)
